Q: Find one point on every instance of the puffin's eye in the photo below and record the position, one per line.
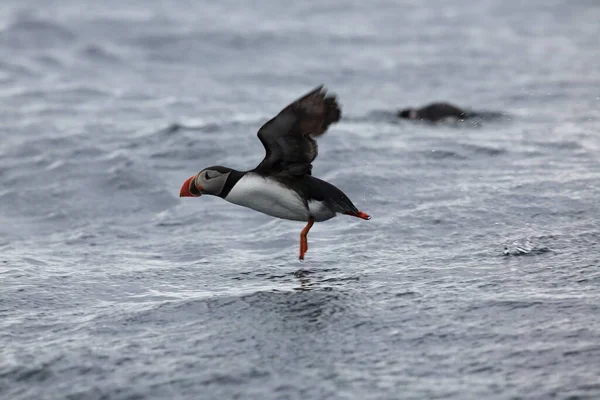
(206, 176)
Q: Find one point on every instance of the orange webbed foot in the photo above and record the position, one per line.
(359, 214)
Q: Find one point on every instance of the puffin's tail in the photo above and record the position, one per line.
(359, 214)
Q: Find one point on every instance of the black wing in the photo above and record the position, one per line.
(289, 137)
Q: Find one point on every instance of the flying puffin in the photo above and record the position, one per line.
(282, 185)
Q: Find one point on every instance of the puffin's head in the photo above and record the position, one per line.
(210, 180)
(409, 113)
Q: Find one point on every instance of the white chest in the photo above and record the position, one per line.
(269, 197)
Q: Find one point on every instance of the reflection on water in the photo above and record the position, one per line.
(304, 280)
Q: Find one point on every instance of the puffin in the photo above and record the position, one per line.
(282, 185)
(435, 112)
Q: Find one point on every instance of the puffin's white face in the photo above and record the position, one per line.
(409, 113)
(211, 180)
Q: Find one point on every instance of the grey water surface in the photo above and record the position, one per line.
(112, 287)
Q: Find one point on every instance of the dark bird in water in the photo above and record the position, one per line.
(282, 185)
(435, 112)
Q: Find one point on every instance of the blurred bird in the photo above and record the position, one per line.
(435, 112)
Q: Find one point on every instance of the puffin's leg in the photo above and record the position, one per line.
(303, 241)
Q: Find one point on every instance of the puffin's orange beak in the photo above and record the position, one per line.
(188, 191)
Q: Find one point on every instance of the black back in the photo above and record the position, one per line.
(311, 188)
(436, 112)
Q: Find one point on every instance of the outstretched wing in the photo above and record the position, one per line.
(289, 137)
